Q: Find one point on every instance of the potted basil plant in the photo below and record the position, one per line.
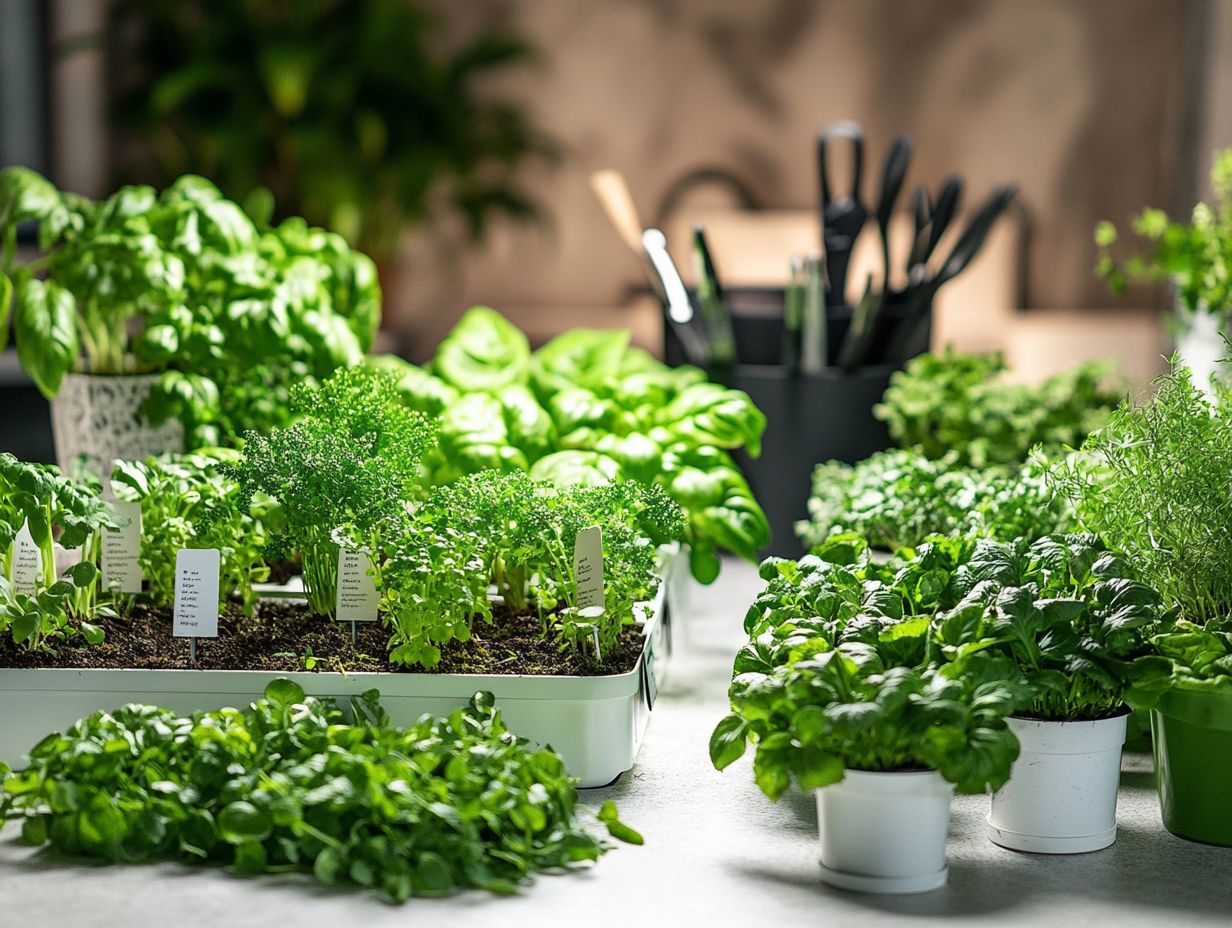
(884, 747)
(1074, 623)
(158, 320)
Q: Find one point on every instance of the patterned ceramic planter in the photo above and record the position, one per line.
(97, 416)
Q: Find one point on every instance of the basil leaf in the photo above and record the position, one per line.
(483, 352)
(45, 327)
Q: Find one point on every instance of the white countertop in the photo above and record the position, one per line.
(717, 853)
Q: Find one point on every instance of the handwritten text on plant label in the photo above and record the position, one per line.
(26, 561)
(357, 597)
(196, 593)
(121, 549)
(588, 567)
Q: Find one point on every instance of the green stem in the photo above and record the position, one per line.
(47, 551)
(321, 576)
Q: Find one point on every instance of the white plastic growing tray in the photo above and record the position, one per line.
(595, 723)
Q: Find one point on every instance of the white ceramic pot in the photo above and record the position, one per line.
(97, 416)
(1062, 793)
(885, 832)
(1201, 348)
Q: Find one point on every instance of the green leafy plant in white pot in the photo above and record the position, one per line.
(1196, 258)
(1073, 622)
(882, 736)
(158, 320)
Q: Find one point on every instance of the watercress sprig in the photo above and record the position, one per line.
(898, 498)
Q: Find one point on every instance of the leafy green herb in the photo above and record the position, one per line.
(346, 464)
(898, 498)
(846, 709)
(188, 501)
(1071, 618)
(518, 535)
(914, 663)
(38, 497)
(1154, 484)
(286, 784)
(961, 403)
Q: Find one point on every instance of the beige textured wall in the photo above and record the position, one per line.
(1077, 100)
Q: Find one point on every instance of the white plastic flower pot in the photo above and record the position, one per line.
(1062, 792)
(98, 416)
(885, 832)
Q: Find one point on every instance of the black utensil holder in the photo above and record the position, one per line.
(757, 324)
(809, 419)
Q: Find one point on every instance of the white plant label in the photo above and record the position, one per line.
(196, 593)
(27, 563)
(588, 568)
(357, 598)
(121, 550)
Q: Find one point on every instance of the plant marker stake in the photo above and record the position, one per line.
(196, 596)
(355, 599)
(591, 615)
(588, 569)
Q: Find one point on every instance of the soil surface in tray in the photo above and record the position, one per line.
(279, 636)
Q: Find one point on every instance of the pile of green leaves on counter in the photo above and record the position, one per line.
(350, 461)
(182, 282)
(961, 403)
(913, 663)
(1194, 256)
(287, 784)
(588, 408)
(518, 535)
(189, 501)
(1154, 484)
(52, 509)
(898, 498)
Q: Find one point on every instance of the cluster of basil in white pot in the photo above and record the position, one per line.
(178, 301)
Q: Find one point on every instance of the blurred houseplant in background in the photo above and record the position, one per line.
(1196, 257)
(349, 113)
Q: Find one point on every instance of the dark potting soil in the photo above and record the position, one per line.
(282, 635)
